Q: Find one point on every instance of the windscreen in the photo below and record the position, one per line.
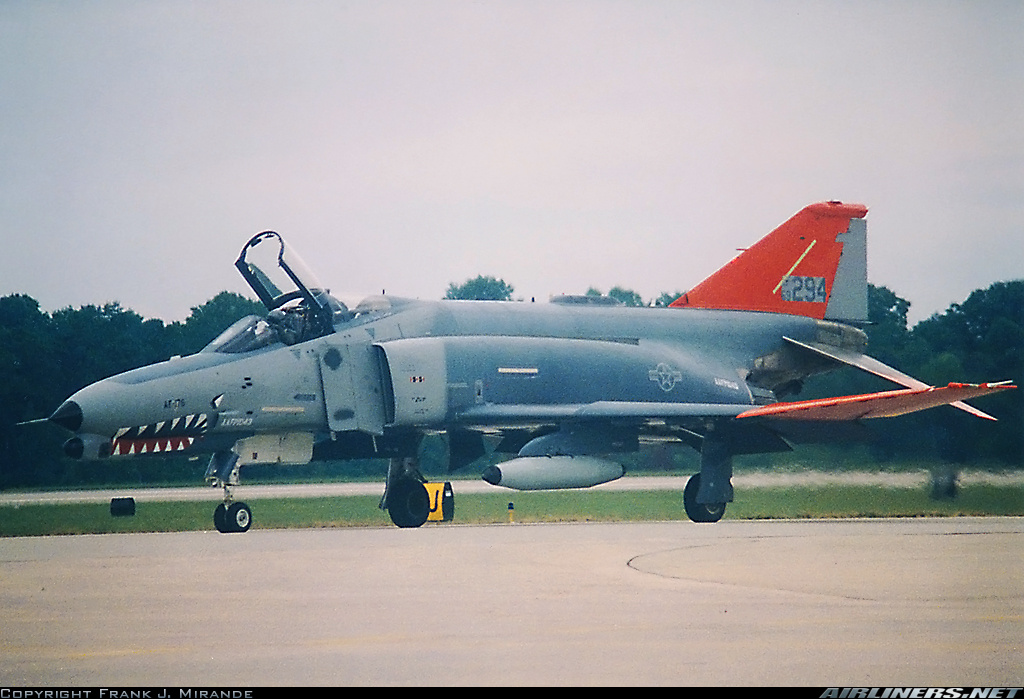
(248, 334)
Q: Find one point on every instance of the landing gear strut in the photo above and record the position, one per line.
(405, 498)
(707, 493)
(230, 516)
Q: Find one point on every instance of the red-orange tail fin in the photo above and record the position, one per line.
(814, 264)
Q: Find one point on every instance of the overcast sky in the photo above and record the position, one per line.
(556, 145)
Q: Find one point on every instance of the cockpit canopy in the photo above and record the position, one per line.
(275, 272)
(253, 332)
(299, 307)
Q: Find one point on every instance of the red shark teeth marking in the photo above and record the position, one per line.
(126, 447)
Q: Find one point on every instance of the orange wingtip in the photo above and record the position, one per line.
(998, 385)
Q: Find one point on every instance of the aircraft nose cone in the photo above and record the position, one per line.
(68, 416)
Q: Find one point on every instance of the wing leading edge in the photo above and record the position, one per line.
(873, 366)
(872, 405)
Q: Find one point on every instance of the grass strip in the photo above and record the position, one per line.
(546, 506)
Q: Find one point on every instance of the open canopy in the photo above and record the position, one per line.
(300, 307)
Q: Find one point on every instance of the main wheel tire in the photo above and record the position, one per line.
(220, 518)
(239, 517)
(408, 503)
(700, 512)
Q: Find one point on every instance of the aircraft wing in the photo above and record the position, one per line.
(842, 408)
(871, 405)
(873, 366)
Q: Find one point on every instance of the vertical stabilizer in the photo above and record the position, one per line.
(848, 299)
(814, 264)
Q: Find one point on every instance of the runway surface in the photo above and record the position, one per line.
(829, 603)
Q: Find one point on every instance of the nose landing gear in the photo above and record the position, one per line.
(232, 517)
(229, 516)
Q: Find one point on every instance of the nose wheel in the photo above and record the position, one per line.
(232, 517)
(229, 516)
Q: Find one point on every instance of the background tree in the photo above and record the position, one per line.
(627, 297)
(981, 339)
(28, 368)
(480, 289)
(666, 298)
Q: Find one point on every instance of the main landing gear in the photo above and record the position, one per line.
(707, 493)
(230, 516)
(698, 511)
(405, 498)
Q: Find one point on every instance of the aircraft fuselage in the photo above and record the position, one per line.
(438, 365)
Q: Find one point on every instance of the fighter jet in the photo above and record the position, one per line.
(561, 387)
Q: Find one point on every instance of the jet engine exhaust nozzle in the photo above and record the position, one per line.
(88, 447)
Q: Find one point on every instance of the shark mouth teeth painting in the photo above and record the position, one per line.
(173, 435)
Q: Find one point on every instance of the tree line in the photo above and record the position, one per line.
(979, 340)
(45, 357)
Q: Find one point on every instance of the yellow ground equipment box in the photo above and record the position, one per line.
(442, 502)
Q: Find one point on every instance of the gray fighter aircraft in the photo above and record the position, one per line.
(559, 386)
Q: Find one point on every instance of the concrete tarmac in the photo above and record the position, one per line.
(822, 603)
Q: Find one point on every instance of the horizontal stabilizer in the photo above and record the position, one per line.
(873, 366)
(871, 405)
